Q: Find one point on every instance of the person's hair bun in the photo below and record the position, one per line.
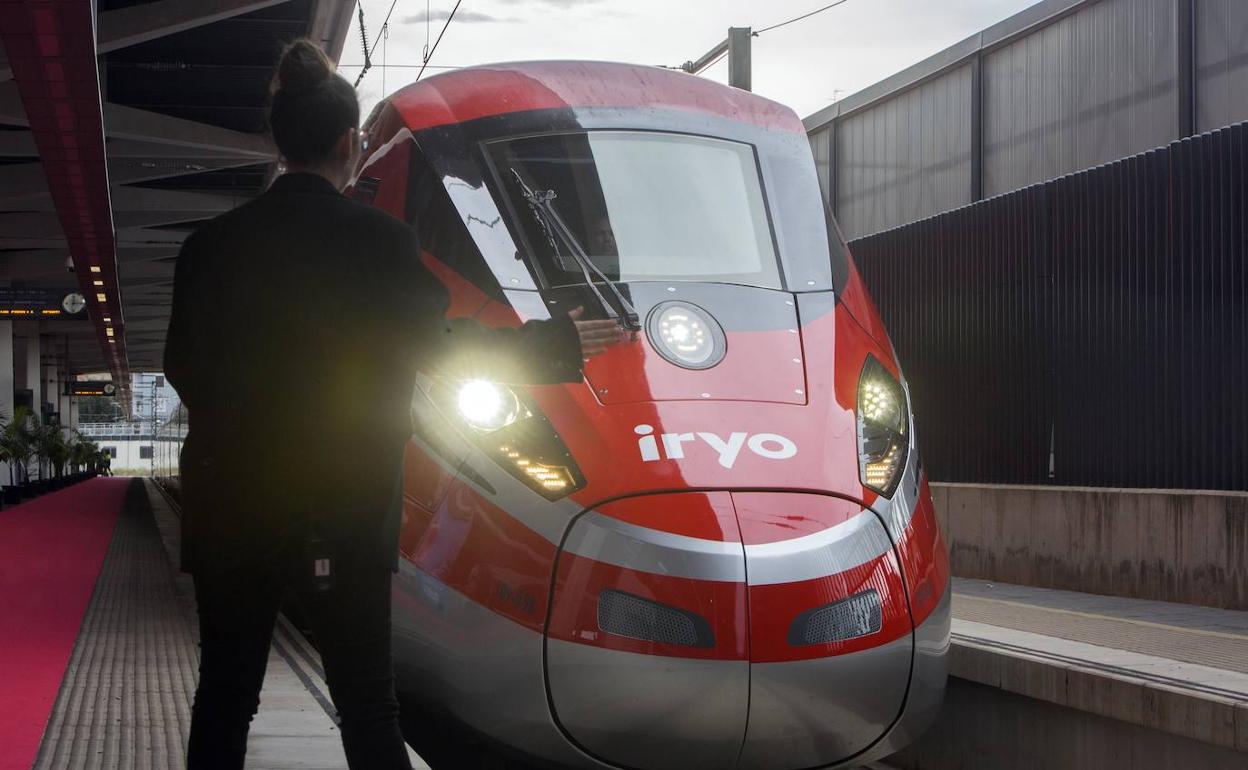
(311, 104)
(303, 68)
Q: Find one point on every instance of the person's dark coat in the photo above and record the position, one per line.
(299, 322)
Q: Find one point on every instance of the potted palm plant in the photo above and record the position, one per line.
(81, 454)
(53, 450)
(17, 449)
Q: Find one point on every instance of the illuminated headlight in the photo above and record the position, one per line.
(510, 430)
(883, 419)
(686, 335)
(553, 481)
(487, 407)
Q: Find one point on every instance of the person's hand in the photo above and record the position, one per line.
(596, 336)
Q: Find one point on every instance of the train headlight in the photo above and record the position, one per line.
(510, 430)
(686, 335)
(883, 420)
(487, 407)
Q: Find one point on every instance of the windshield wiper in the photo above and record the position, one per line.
(542, 204)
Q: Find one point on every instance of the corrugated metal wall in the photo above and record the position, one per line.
(908, 158)
(1222, 62)
(1095, 86)
(1089, 82)
(1088, 331)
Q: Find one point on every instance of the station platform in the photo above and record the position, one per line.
(98, 652)
(98, 660)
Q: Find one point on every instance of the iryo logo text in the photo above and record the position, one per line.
(771, 446)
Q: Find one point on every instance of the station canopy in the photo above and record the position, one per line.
(121, 130)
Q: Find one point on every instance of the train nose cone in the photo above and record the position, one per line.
(830, 631)
(758, 631)
(647, 656)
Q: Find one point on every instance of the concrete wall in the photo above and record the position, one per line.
(1178, 546)
(126, 455)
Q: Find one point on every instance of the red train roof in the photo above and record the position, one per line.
(497, 89)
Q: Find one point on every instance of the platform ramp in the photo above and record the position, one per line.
(1042, 678)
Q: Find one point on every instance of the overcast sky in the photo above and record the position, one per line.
(805, 65)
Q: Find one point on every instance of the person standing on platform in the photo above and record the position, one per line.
(299, 322)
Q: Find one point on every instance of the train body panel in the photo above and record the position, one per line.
(716, 550)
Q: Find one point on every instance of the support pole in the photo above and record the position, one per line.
(738, 46)
(739, 65)
(1185, 67)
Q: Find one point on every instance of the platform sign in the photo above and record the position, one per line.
(91, 388)
(34, 303)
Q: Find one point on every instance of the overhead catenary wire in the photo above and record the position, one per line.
(795, 19)
(405, 66)
(385, 22)
(424, 52)
(385, 40)
(363, 44)
(687, 66)
(429, 55)
(368, 49)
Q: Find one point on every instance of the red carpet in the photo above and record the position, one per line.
(51, 550)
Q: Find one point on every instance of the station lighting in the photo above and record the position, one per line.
(686, 335)
(883, 420)
(95, 268)
(101, 298)
(98, 283)
(109, 331)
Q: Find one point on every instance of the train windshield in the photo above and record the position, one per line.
(638, 206)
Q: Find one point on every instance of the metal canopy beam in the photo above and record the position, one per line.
(31, 224)
(128, 148)
(123, 122)
(149, 21)
(18, 144)
(22, 182)
(145, 199)
(51, 53)
(12, 112)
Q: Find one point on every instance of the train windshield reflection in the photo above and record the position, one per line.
(642, 205)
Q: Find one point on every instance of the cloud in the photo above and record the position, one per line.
(463, 17)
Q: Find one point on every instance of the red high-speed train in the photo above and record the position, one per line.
(718, 550)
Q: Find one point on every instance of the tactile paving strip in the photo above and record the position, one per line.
(1217, 650)
(126, 698)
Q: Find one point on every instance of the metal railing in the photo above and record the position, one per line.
(167, 447)
(115, 429)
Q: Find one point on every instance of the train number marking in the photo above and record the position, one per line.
(771, 446)
(519, 599)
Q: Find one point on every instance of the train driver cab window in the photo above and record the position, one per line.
(440, 226)
(639, 206)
